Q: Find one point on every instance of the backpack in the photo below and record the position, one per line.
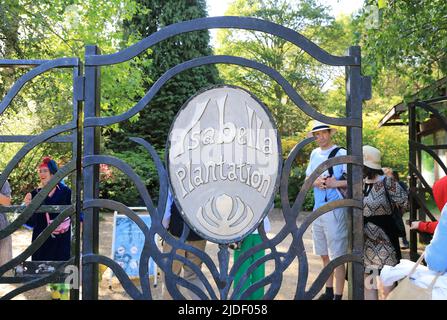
(344, 190)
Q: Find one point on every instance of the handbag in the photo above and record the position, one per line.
(63, 227)
(395, 213)
(407, 290)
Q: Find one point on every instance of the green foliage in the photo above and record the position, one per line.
(117, 186)
(409, 42)
(302, 71)
(155, 120)
(53, 29)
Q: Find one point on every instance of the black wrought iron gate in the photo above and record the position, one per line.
(86, 88)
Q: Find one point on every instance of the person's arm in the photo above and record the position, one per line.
(319, 182)
(427, 227)
(397, 194)
(5, 200)
(30, 223)
(331, 183)
(5, 194)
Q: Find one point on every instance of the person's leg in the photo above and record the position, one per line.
(245, 245)
(370, 291)
(176, 269)
(337, 235)
(259, 273)
(5, 243)
(340, 278)
(383, 290)
(320, 248)
(189, 274)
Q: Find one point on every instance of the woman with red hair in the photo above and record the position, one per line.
(57, 247)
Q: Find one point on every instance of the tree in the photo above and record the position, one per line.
(155, 119)
(409, 42)
(303, 72)
(53, 29)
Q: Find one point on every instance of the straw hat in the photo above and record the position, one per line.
(372, 158)
(320, 126)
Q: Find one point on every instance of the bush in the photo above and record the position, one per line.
(115, 185)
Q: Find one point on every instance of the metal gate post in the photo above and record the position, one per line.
(90, 237)
(354, 96)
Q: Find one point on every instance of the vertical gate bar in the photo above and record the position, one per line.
(91, 178)
(413, 179)
(420, 213)
(355, 174)
(77, 185)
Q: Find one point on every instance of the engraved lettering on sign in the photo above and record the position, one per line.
(223, 162)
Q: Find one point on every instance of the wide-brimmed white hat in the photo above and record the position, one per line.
(372, 158)
(320, 126)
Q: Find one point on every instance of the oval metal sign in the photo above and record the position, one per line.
(224, 162)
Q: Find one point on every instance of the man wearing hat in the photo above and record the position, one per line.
(329, 231)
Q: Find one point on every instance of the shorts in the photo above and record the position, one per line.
(330, 234)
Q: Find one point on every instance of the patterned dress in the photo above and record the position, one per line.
(381, 246)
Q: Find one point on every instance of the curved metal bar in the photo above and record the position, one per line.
(420, 146)
(98, 159)
(37, 243)
(161, 171)
(422, 205)
(247, 254)
(328, 270)
(253, 267)
(124, 279)
(125, 168)
(259, 284)
(62, 62)
(223, 22)
(31, 144)
(355, 160)
(144, 258)
(172, 255)
(38, 199)
(38, 282)
(172, 287)
(284, 186)
(341, 203)
(303, 273)
(150, 248)
(291, 92)
(421, 178)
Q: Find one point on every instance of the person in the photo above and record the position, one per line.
(438, 193)
(404, 244)
(258, 274)
(329, 231)
(5, 243)
(57, 246)
(381, 235)
(173, 221)
(435, 252)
